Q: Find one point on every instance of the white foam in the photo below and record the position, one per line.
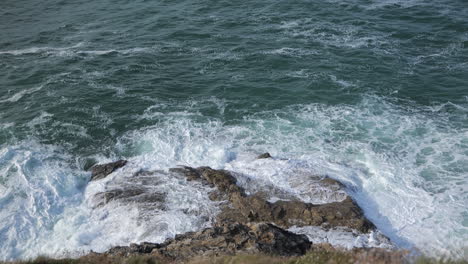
(284, 179)
(385, 3)
(121, 51)
(119, 223)
(293, 52)
(17, 96)
(342, 83)
(343, 237)
(35, 50)
(47, 209)
(36, 189)
(405, 166)
(40, 119)
(74, 50)
(302, 73)
(331, 34)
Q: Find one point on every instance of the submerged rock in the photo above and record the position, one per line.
(131, 194)
(224, 239)
(100, 171)
(139, 189)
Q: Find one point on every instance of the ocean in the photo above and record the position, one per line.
(373, 93)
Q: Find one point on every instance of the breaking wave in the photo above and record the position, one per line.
(405, 166)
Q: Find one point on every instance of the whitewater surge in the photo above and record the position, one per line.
(395, 162)
(75, 50)
(370, 93)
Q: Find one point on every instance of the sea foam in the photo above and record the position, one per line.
(405, 166)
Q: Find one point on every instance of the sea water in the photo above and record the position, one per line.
(371, 93)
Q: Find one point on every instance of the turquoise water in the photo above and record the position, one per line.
(374, 93)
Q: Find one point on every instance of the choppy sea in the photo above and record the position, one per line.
(373, 93)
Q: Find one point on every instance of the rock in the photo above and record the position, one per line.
(190, 173)
(247, 223)
(245, 208)
(331, 182)
(131, 194)
(265, 155)
(100, 171)
(142, 248)
(224, 239)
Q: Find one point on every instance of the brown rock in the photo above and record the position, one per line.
(255, 208)
(100, 171)
(331, 182)
(142, 248)
(247, 224)
(224, 239)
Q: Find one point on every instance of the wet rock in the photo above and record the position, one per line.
(265, 155)
(319, 189)
(245, 208)
(189, 172)
(138, 189)
(131, 194)
(100, 171)
(247, 224)
(327, 181)
(224, 239)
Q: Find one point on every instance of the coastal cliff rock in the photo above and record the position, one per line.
(100, 171)
(245, 208)
(247, 223)
(230, 238)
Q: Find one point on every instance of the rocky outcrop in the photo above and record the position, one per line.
(139, 189)
(265, 155)
(100, 171)
(247, 223)
(245, 208)
(224, 239)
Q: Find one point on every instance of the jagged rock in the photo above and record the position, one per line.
(131, 194)
(139, 189)
(224, 239)
(142, 248)
(245, 208)
(100, 171)
(265, 155)
(247, 223)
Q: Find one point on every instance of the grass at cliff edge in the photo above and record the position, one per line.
(313, 257)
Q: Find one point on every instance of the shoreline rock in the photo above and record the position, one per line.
(100, 171)
(247, 223)
(245, 208)
(224, 239)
